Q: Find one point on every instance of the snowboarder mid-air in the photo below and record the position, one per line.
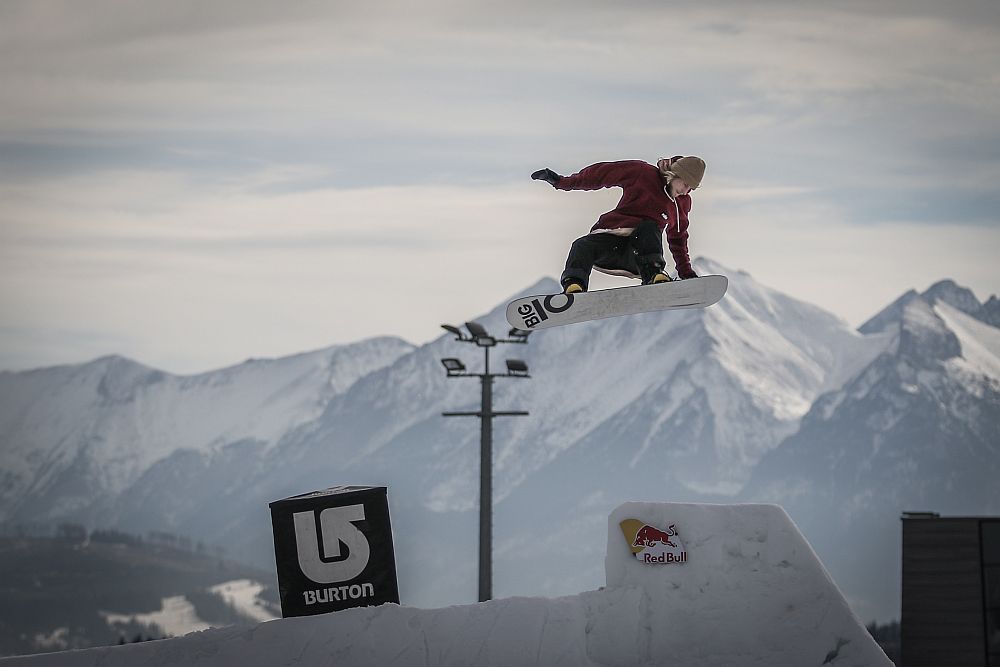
(627, 241)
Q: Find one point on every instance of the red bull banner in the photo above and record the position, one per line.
(653, 545)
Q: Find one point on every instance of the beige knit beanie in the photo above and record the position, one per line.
(690, 169)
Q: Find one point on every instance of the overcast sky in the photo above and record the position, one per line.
(190, 184)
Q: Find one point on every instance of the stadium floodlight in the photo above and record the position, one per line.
(453, 366)
(453, 330)
(517, 368)
(481, 337)
(518, 335)
(476, 329)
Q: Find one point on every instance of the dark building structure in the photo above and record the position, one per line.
(950, 591)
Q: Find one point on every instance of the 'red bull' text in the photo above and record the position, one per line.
(665, 557)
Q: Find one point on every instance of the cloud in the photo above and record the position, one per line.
(217, 276)
(245, 164)
(803, 85)
(224, 275)
(173, 67)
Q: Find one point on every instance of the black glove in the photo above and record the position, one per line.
(546, 175)
(687, 275)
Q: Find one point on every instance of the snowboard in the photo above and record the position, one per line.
(552, 310)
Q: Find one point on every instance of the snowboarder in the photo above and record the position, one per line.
(627, 241)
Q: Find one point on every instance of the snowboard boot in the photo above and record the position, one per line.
(651, 269)
(573, 287)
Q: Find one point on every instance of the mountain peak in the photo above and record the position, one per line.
(954, 295)
(120, 377)
(117, 362)
(944, 291)
(923, 335)
(890, 315)
(990, 312)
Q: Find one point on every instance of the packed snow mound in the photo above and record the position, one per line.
(748, 591)
(751, 591)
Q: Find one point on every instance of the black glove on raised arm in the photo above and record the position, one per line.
(546, 175)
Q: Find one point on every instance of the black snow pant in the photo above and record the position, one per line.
(640, 254)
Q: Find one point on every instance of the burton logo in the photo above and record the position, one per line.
(334, 525)
(652, 545)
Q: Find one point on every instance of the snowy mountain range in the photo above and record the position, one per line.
(759, 398)
(918, 429)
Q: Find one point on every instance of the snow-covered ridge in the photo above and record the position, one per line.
(914, 429)
(758, 354)
(783, 351)
(118, 417)
(980, 342)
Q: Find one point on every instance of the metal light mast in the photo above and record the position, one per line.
(515, 369)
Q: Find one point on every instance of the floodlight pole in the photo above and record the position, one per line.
(486, 415)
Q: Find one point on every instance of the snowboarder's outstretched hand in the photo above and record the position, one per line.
(687, 275)
(546, 175)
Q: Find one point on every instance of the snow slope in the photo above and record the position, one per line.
(177, 616)
(243, 596)
(751, 593)
(917, 429)
(979, 342)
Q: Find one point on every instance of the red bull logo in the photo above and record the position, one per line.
(653, 545)
(649, 536)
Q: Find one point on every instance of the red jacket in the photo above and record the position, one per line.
(644, 195)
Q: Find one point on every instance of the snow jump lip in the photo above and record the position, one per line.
(549, 310)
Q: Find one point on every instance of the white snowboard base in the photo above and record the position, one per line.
(552, 310)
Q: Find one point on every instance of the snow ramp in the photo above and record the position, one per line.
(687, 585)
